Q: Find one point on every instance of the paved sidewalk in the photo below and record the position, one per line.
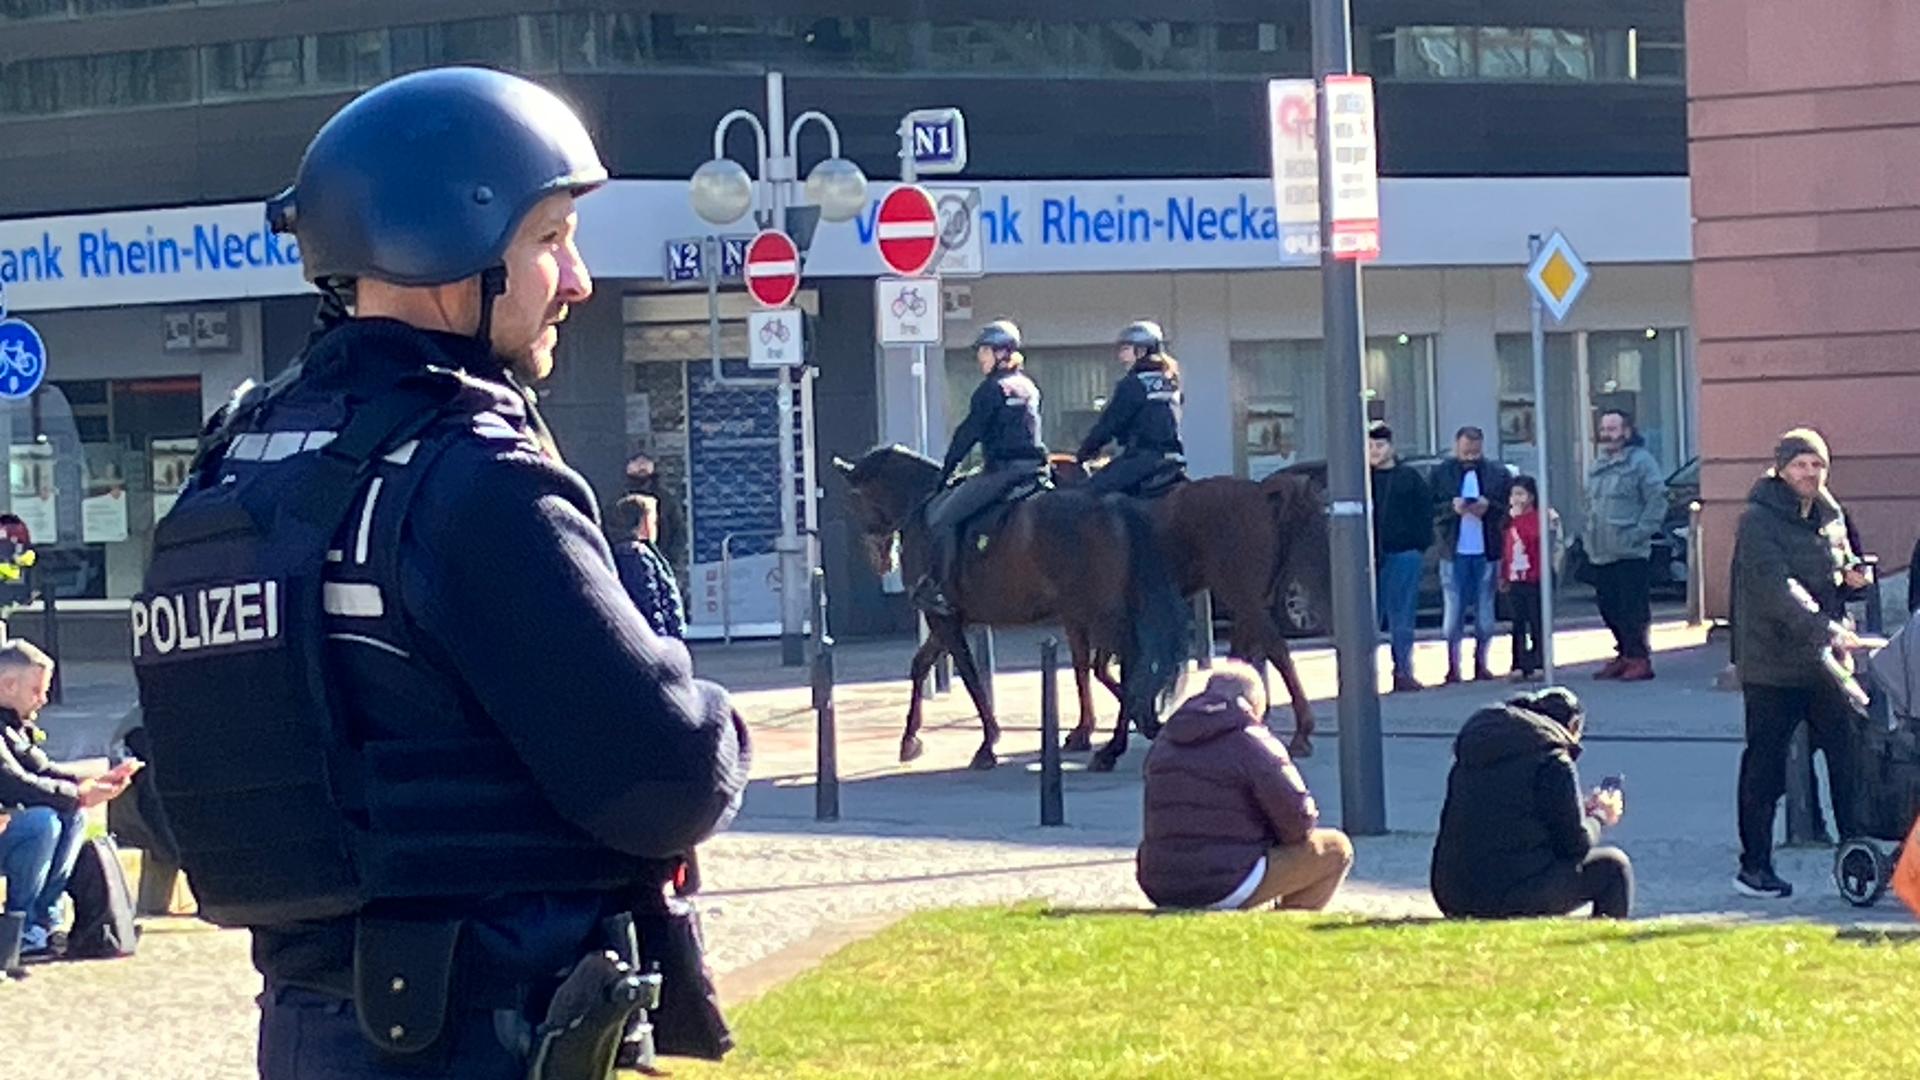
(934, 834)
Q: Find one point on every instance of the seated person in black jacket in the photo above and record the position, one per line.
(43, 805)
(1516, 836)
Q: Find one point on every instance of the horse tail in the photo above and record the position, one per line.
(1160, 617)
(1299, 533)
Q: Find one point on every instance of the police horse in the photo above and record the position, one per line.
(1258, 546)
(1055, 557)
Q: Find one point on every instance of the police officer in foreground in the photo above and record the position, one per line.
(405, 723)
(1142, 416)
(1003, 419)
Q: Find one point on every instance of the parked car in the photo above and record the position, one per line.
(1669, 559)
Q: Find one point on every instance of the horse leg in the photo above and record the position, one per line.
(1303, 724)
(923, 659)
(1080, 739)
(955, 637)
(1110, 754)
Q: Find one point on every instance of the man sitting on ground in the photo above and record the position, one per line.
(45, 805)
(1516, 838)
(1230, 824)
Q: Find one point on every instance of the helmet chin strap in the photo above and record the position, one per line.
(493, 285)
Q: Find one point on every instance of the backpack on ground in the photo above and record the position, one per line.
(103, 925)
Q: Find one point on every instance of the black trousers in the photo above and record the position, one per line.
(1773, 712)
(1523, 598)
(1604, 879)
(1626, 604)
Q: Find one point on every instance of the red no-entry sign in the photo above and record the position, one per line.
(908, 231)
(772, 268)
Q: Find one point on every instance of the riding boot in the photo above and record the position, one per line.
(930, 592)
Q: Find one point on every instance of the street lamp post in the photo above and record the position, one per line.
(722, 192)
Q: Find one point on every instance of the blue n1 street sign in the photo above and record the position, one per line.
(684, 261)
(23, 355)
(938, 139)
(733, 255)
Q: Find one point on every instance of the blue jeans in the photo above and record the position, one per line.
(37, 850)
(1399, 602)
(1467, 581)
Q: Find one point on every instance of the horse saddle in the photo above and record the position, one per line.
(978, 515)
(1163, 480)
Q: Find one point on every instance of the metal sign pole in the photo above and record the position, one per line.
(1544, 632)
(1363, 800)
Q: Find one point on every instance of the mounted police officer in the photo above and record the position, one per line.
(1142, 416)
(1003, 419)
(405, 724)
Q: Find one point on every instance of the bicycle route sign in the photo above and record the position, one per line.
(908, 230)
(23, 355)
(774, 338)
(908, 310)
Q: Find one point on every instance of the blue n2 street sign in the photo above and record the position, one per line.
(684, 261)
(23, 355)
(938, 140)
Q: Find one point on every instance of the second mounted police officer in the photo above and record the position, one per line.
(1142, 417)
(406, 725)
(1003, 419)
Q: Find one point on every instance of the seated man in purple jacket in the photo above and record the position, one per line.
(1230, 824)
(44, 806)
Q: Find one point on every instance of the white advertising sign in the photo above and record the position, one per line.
(1356, 171)
(1291, 109)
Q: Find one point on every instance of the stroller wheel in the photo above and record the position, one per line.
(1861, 872)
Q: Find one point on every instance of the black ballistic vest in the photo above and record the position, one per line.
(271, 604)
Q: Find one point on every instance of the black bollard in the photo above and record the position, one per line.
(1053, 810)
(1203, 628)
(826, 786)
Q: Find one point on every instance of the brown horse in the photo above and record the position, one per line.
(1057, 557)
(1253, 546)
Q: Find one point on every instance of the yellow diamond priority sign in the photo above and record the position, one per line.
(1558, 276)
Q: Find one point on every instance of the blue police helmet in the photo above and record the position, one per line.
(423, 179)
(1000, 335)
(1144, 335)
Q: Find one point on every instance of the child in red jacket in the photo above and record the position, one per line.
(1520, 555)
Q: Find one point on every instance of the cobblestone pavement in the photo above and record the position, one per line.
(934, 834)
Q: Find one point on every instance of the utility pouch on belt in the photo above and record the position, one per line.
(592, 1011)
(402, 981)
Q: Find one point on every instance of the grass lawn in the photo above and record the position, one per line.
(1026, 993)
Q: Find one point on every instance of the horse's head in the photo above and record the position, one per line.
(884, 487)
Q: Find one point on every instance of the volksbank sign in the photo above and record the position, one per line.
(1037, 227)
(146, 256)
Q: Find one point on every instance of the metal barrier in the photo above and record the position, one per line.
(726, 578)
(1053, 809)
(826, 787)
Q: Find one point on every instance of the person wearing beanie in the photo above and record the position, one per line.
(1793, 564)
(1517, 838)
(1230, 824)
(1626, 501)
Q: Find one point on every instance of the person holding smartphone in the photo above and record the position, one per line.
(1517, 836)
(45, 806)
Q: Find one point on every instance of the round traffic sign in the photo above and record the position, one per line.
(908, 230)
(772, 268)
(23, 360)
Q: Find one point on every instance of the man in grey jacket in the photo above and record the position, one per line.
(1626, 500)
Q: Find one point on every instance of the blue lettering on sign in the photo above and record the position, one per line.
(1072, 220)
(34, 262)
